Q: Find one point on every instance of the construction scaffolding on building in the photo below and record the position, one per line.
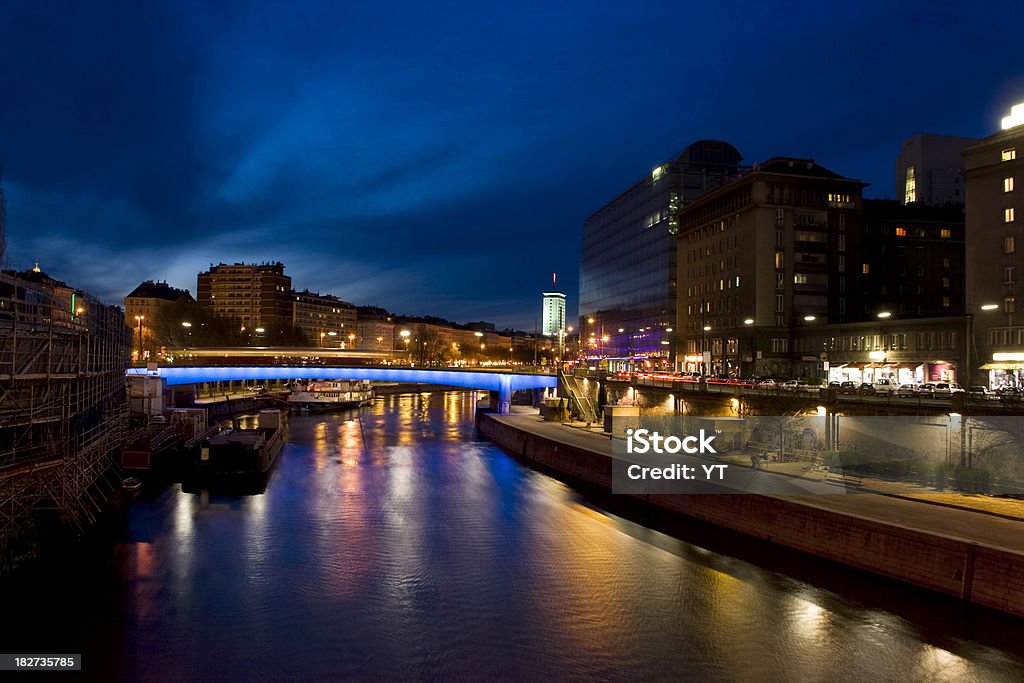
(63, 407)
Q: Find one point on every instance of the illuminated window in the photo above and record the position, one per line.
(945, 263)
(1009, 245)
(1010, 304)
(1008, 184)
(778, 260)
(945, 283)
(945, 233)
(910, 187)
(866, 268)
(1010, 154)
(901, 232)
(780, 217)
(800, 279)
(1008, 215)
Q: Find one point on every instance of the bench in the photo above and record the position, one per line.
(844, 479)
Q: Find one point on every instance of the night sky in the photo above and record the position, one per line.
(440, 158)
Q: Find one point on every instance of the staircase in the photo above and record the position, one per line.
(583, 405)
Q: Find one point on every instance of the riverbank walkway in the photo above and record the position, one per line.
(995, 522)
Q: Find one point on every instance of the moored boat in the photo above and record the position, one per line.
(243, 451)
(316, 396)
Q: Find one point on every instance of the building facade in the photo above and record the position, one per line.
(776, 249)
(930, 168)
(913, 260)
(254, 295)
(148, 298)
(908, 351)
(994, 170)
(628, 255)
(324, 320)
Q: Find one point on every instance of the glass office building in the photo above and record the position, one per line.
(628, 259)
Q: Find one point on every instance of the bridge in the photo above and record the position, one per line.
(503, 384)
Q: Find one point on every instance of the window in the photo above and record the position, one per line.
(945, 263)
(866, 268)
(780, 280)
(779, 345)
(780, 305)
(1008, 215)
(1008, 184)
(778, 260)
(945, 233)
(945, 283)
(1009, 245)
(780, 217)
(1010, 304)
(945, 302)
(1010, 154)
(901, 232)
(910, 187)
(779, 239)
(841, 264)
(800, 279)
(1008, 275)
(842, 221)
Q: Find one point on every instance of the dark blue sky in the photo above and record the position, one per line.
(440, 158)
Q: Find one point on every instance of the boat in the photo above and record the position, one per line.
(316, 396)
(131, 484)
(236, 452)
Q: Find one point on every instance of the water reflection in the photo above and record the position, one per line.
(393, 544)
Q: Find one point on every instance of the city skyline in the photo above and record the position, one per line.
(145, 143)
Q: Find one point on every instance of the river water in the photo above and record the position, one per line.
(399, 546)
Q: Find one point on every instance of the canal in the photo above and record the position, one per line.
(399, 546)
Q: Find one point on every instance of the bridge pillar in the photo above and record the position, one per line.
(504, 403)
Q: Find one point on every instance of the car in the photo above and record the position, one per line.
(1009, 394)
(790, 385)
(847, 387)
(256, 388)
(947, 389)
(926, 390)
(767, 384)
(906, 390)
(834, 384)
(886, 386)
(981, 393)
(866, 389)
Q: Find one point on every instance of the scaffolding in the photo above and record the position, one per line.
(63, 408)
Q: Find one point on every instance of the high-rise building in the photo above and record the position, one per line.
(930, 168)
(553, 312)
(628, 254)
(994, 170)
(777, 248)
(254, 295)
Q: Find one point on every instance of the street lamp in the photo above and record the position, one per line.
(140, 318)
(404, 334)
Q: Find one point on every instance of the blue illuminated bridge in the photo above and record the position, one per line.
(502, 383)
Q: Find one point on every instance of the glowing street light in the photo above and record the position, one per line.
(885, 314)
(989, 307)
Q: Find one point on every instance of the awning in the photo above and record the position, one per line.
(1004, 365)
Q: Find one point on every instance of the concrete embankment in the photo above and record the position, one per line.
(895, 538)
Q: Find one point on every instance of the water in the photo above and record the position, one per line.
(404, 548)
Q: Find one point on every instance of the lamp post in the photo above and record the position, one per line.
(188, 326)
(140, 318)
(404, 334)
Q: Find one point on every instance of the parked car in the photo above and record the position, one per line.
(886, 386)
(866, 389)
(847, 387)
(767, 384)
(980, 393)
(1008, 394)
(947, 388)
(834, 384)
(926, 390)
(906, 390)
(790, 385)
(256, 388)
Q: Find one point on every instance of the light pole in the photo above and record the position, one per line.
(140, 318)
(404, 334)
(188, 326)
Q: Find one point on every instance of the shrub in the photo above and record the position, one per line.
(972, 479)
